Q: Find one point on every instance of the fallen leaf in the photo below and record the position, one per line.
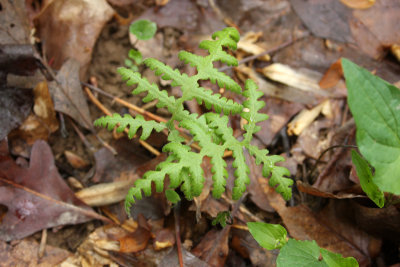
(25, 253)
(216, 244)
(15, 105)
(37, 197)
(138, 240)
(68, 96)
(13, 19)
(332, 76)
(78, 24)
(165, 238)
(42, 122)
(248, 43)
(75, 161)
(358, 4)
(190, 260)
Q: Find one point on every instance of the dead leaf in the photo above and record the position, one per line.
(15, 105)
(43, 121)
(308, 189)
(165, 238)
(248, 44)
(37, 197)
(213, 243)
(75, 161)
(332, 76)
(78, 24)
(190, 260)
(138, 240)
(105, 193)
(13, 20)
(279, 112)
(68, 96)
(25, 253)
(358, 4)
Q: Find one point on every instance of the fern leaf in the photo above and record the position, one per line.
(223, 80)
(253, 106)
(167, 72)
(277, 180)
(133, 123)
(212, 150)
(144, 86)
(241, 172)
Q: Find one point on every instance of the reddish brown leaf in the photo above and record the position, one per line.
(75, 161)
(165, 238)
(37, 197)
(78, 25)
(332, 76)
(209, 244)
(137, 240)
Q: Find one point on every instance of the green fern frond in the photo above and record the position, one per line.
(253, 106)
(277, 180)
(133, 123)
(183, 165)
(143, 85)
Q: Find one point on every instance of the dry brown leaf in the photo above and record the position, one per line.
(68, 96)
(165, 238)
(78, 24)
(25, 253)
(106, 193)
(358, 4)
(75, 161)
(248, 44)
(332, 76)
(208, 244)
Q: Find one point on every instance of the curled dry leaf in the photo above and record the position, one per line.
(37, 197)
(248, 45)
(79, 24)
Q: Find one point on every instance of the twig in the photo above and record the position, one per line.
(269, 51)
(107, 112)
(126, 104)
(178, 233)
(42, 246)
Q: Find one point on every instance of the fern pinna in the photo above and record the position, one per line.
(210, 130)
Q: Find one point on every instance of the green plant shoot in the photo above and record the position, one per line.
(210, 130)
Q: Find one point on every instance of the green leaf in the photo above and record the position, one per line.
(222, 218)
(135, 55)
(300, 254)
(375, 105)
(269, 236)
(134, 124)
(172, 196)
(337, 260)
(308, 253)
(128, 63)
(143, 29)
(365, 176)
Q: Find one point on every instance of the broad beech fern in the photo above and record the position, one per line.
(210, 130)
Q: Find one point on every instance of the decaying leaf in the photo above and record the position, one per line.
(15, 105)
(68, 96)
(358, 4)
(79, 24)
(37, 197)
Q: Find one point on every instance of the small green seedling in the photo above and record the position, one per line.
(294, 252)
(210, 130)
(223, 218)
(143, 30)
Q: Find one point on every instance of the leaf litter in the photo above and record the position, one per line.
(302, 96)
